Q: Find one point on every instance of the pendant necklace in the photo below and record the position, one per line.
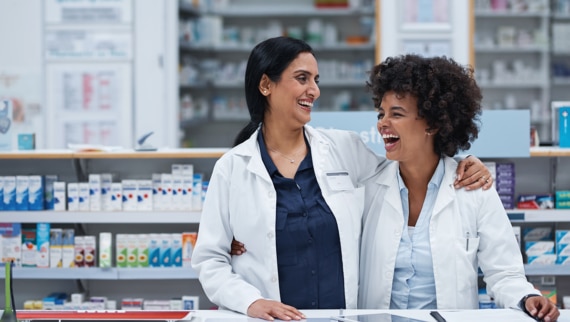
(285, 156)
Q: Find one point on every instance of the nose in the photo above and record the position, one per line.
(314, 91)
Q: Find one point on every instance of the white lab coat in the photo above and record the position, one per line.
(241, 202)
(457, 214)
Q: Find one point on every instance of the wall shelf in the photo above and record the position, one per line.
(87, 217)
(111, 273)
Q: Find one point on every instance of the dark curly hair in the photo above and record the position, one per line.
(448, 97)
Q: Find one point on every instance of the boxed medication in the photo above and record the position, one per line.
(105, 253)
(121, 250)
(130, 195)
(144, 195)
(527, 201)
(537, 233)
(165, 250)
(142, 249)
(43, 239)
(95, 200)
(176, 250)
(188, 243)
(132, 250)
(55, 247)
(564, 126)
(533, 248)
(9, 193)
(157, 191)
(90, 251)
(197, 192)
(22, 191)
(59, 196)
(68, 248)
(10, 243)
(116, 203)
(29, 248)
(106, 181)
(166, 187)
(154, 250)
(79, 251)
(73, 196)
(35, 193)
(49, 200)
(84, 196)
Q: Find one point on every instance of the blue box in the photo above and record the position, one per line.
(564, 127)
(26, 141)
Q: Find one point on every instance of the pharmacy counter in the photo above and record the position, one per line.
(503, 315)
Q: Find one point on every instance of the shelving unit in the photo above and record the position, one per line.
(115, 283)
(218, 100)
(512, 59)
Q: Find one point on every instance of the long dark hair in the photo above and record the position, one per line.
(270, 57)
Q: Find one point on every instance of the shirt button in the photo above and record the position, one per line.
(313, 272)
(396, 232)
(387, 274)
(304, 214)
(270, 235)
(313, 303)
(273, 279)
(310, 241)
(270, 194)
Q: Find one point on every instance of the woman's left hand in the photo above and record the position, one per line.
(472, 174)
(541, 308)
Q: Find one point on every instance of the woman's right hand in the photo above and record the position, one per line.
(271, 310)
(237, 248)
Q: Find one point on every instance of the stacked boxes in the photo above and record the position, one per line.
(539, 245)
(562, 199)
(563, 247)
(505, 184)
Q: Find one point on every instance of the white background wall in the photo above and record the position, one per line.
(155, 62)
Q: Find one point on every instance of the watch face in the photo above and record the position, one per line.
(4, 125)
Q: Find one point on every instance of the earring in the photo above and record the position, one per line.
(428, 132)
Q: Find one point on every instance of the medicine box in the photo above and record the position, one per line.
(564, 126)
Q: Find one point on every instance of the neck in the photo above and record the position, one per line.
(283, 140)
(419, 173)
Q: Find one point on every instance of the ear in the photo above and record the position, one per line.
(265, 85)
(430, 131)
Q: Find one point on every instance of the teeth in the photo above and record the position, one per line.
(305, 103)
(389, 136)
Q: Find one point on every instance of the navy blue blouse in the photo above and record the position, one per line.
(308, 243)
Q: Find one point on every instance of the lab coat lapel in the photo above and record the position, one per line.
(250, 150)
(446, 193)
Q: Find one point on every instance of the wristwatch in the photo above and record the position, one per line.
(522, 302)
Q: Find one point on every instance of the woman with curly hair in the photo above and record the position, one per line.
(423, 241)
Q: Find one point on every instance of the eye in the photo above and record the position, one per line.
(302, 79)
(317, 80)
(380, 116)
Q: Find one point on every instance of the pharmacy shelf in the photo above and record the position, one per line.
(541, 215)
(535, 269)
(513, 85)
(193, 153)
(561, 81)
(549, 152)
(111, 273)
(117, 217)
(276, 10)
(510, 14)
(246, 48)
(512, 49)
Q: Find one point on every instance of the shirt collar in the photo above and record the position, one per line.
(306, 163)
(435, 181)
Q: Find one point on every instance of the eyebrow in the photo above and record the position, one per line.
(304, 71)
(393, 108)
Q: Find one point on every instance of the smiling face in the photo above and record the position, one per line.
(404, 132)
(291, 98)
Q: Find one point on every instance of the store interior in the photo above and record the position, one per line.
(86, 75)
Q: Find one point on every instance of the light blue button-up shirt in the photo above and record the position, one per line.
(413, 286)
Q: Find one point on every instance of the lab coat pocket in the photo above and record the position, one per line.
(466, 264)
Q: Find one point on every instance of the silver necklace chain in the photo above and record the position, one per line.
(285, 156)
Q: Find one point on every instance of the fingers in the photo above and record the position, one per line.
(472, 174)
(237, 248)
(270, 310)
(542, 308)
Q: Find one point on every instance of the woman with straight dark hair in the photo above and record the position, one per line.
(291, 193)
